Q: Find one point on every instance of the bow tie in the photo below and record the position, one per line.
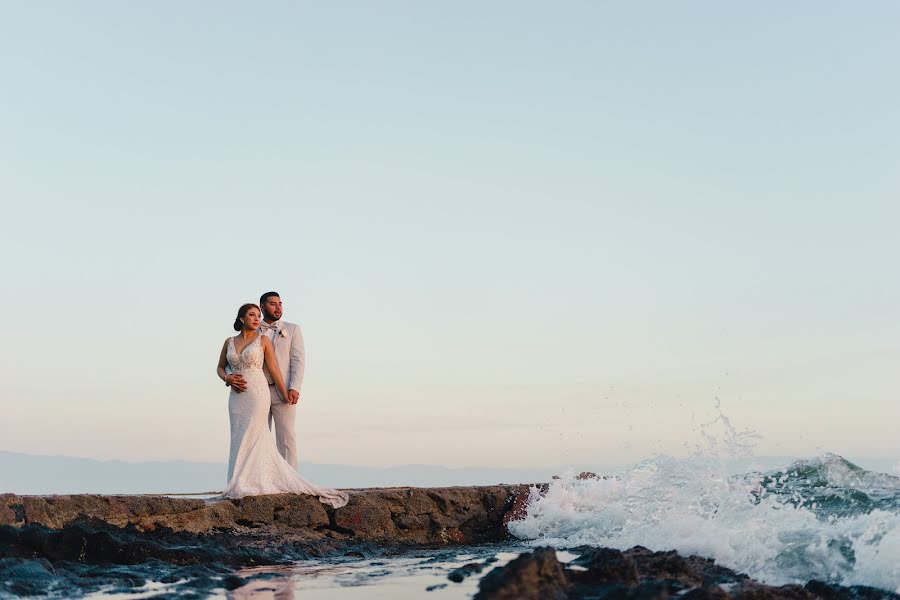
(267, 326)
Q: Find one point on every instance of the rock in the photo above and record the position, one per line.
(22, 577)
(665, 565)
(282, 510)
(367, 516)
(827, 591)
(534, 575)
(411, 516)
(459, 574)
(648, 590)
(606, 565)
(758, 591)
(232, 582)
(641, 574)
(404, 516)
(101, 543)
(712, 592)
(521, 498)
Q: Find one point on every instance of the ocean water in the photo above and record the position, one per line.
(413, 575)
(822, 518)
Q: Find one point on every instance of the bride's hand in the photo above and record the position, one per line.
(237, 382)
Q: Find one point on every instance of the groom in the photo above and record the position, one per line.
(288, 343)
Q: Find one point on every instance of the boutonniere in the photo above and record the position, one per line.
(281, 333)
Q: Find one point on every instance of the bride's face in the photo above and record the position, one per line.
(251, 319)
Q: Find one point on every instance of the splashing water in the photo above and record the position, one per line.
(823, 518)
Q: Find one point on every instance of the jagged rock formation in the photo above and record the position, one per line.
(640, 574)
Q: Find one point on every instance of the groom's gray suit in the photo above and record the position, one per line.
(287, 339)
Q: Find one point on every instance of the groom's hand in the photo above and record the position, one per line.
(238, 383)
(293, 396)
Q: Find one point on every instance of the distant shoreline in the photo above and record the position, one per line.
(42, 474)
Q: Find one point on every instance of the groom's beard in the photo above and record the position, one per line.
(269, 318)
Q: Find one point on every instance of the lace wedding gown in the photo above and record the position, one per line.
(255, 467)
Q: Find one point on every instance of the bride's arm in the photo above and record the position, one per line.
(235, 381)
(274, 370)
(223, 361)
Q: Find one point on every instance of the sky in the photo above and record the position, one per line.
(514, 233)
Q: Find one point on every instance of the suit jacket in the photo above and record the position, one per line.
(290, 353)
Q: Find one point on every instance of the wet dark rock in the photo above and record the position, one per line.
(827, 591)
(641, 574)
(758, 591)
(232, 582)
(24, 577)
(813, 590)
(459, 574)
(712, 592)
(665, 565)
(605, 565)
(124, 576)
(436, 557)
(646, 590)
(104, 544)
(534, 575)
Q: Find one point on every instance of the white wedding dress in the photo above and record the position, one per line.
(255, 467)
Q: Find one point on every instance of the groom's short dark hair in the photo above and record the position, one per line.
(266, 296)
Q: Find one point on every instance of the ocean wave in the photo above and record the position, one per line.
(823, 518)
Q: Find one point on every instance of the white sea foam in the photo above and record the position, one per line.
(694, 506)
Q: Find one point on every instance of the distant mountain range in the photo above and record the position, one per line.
(34, 474)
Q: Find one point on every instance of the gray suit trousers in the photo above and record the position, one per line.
(284, 416)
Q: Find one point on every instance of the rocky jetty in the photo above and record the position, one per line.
(399, 516)
(67, 544)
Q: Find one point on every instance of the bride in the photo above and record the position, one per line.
(254, 466)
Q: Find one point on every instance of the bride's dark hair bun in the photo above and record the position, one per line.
(242, 312)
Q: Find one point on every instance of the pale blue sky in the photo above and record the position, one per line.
(514, 233)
